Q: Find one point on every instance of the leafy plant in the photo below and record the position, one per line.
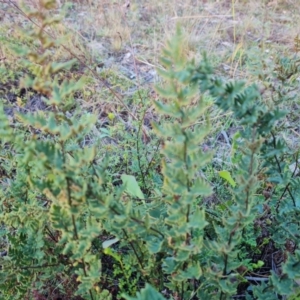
(65, 218)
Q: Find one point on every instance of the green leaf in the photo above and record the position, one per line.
(191, 272)
(258, 265)
(115, 255)
(169, 265)
(197, 220)
(201, 188)
(131, 186)
(282, 284)
(227, 286)
(154, 245)
(226, 175)
(291, 267)
(148, 293)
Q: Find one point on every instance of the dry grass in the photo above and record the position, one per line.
(225, 29)
(121, 41)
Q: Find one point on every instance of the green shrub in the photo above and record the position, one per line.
(65, 224)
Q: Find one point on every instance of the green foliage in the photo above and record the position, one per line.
(62, 213)
(147, 293)
(226, 175)
(131, 186)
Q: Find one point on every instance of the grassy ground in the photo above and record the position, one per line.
(117, 45)
(121, 40)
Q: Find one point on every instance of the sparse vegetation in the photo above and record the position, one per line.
(149, 150)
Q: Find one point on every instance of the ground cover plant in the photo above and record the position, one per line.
(148, 151)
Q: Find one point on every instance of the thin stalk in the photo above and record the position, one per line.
(134, 250)
(280, 172)
(138, 151)
(69, 196)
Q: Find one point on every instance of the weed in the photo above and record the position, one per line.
(112, 191)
